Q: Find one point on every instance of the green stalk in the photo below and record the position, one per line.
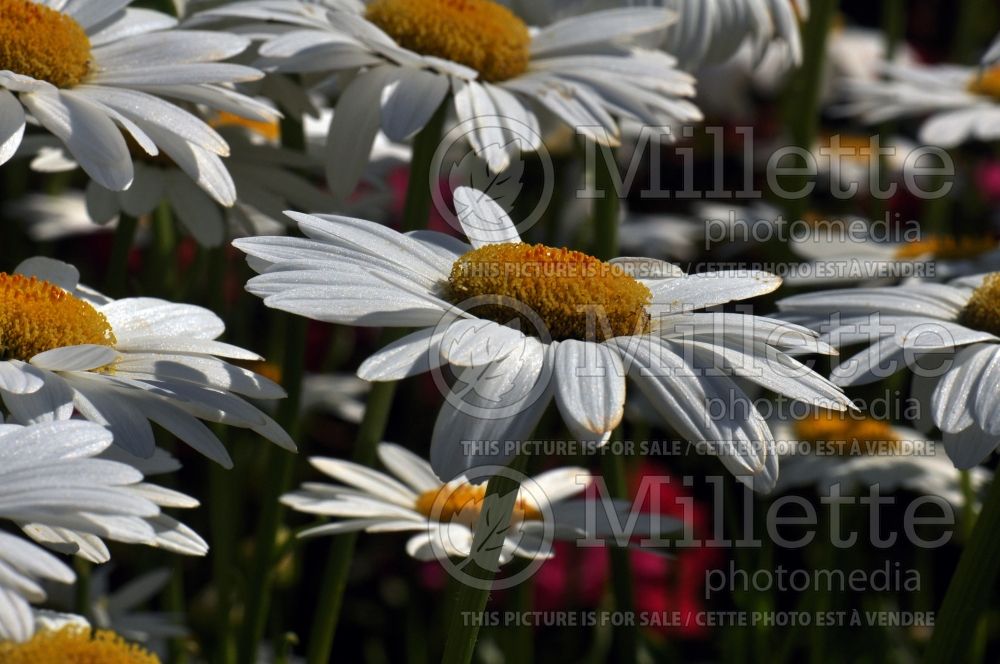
(622, 581)
(160, 273)
(613, 465)
(81, 591)
(280, 465)
(334, 581)
(971, 587)
(605, 207)
(331, 594)
(418, 189)
(221, 510)
(802, 103)
(469, 601)
(118, 265)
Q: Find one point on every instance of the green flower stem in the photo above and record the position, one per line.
(613, 465)
(81, 591)
(971, 587)
(118, 265)
(605, 206)
(418, 189)
(469, 602)
(222, 506)
(802, 102)
(626, 641)
(280, 465)
(160, 269)
(334, 581)
(338, 563)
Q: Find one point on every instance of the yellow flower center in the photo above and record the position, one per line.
(480, 34)
(847, 436)
(574, 295)
(946, 247)
(982, 312)
(42, 43)
(986, 83)
(74, 644)
(463, 503)
(36, 316)
(269, 131)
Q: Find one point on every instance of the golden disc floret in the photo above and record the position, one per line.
(986, 83)
(841, 434)
(36, 316)
(480, 34)
(463, 503)
(575, 296)
(42, 43)
(982, 311)
(946, 247)
(74, 644)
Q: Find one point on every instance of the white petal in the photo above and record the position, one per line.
(11, 125)
(590, 385)
(483, 221)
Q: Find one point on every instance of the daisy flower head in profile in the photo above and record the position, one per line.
(961, 104)
(97, 75)
(444, 514)
(66, 637)
(409, 57)
(838, 253)
(707, 32)
(58, 487)
(903, 325)
(853, 451)
(522, 324)
(123, 363)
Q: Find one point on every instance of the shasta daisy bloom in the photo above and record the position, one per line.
(854, 452)
(123, 363)
(707, 32)
(74, 642)
(523, 324)
(87, 71)
(962, 104)
(52, 481)
(444, 514)
(959, 321)
(409, 56)
(264, 176)
(840, 254)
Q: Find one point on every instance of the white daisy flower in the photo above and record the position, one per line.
(123, 363)
(63, 637)
(51, 482)
(48, 218)
(121, 609)
(839, 254)
(708, 31)
(409, 56)
(524, 324)
(961, 102)
(264, 175)
(413, 498)
(904, 324)
(83, 69)
(828, 449)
